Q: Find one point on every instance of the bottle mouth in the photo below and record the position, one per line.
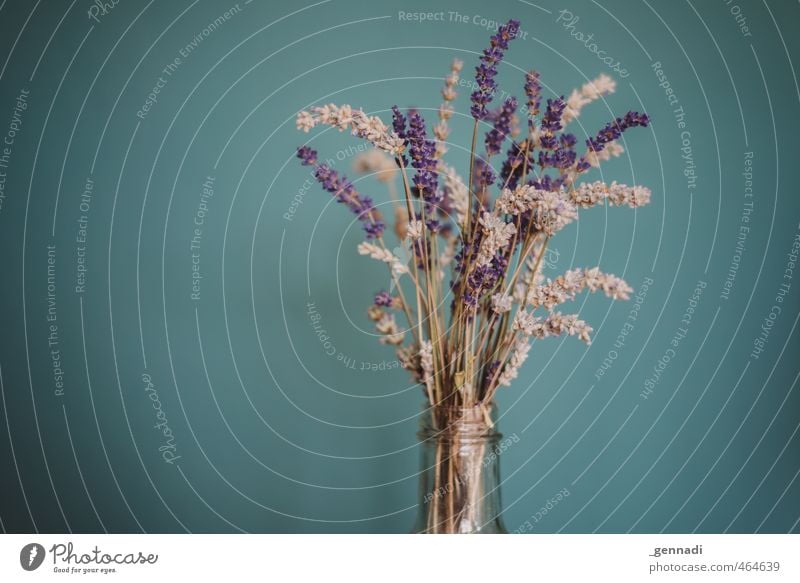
(452, 423)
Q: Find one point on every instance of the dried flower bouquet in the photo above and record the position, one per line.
(467, 334)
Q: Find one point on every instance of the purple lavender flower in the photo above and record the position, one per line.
(399, 126)
(398, 122)
(422, 152)
(568, 140)
(483, 174)
(511, 173)
(373, 226)
(345, 193)
(426, 180)
(613, 130)
(563, 156)
(334, 183)
(502, 126)
(491, 369)
(583, 165)
(383, 298)
(546, 182)
(551, 122)
(483, 278)
(559, 158)
(486, 71)
(308, 157)
(434, 225)
(533, 91)
(467, 249)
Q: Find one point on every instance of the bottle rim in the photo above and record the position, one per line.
(457, 423)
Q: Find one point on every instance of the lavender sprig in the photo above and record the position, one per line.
(613, 130)
(345, 192)
(399, 127)
(563, 156)
(423, 159)
(533, 90)
(422, 150)
(551, 123)
(484, 174)
(483, 279)
(487, 70)
(514, 167)
(501, 126)
(383, 299)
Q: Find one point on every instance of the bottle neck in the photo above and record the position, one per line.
(463, 423)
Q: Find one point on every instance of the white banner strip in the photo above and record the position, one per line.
(371, 558)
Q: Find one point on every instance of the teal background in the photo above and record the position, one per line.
(273, 433)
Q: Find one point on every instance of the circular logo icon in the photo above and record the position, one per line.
(31, 556)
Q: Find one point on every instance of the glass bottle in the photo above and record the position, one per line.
(459, 488)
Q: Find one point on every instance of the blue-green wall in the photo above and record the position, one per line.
(273, 433)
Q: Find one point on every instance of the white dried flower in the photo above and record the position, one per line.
(343, 117)
(613, 286)
(535, 136)
(441, 130)
(547, 295)
(449, 93)
(554, 324)
(557, 323)
(554, 211)
(391, 332)
(501, 303)
(610, 150)
(375, 161)
(305, 121)
(426, 363)
(399, 268)
(414, 230)
(525, 322)
(496, 235)
(518, 358)
(449, 252)
(589, 92)
(381, 254)
(456, 191)
(632, 196)
(588, 194)
(532, 275)
(409, 360)
(514, 132)
(517, 201)
(400, 222)
(372, 129)
(566, 287)
(520, 291)
(326, 114)
(392, 143)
